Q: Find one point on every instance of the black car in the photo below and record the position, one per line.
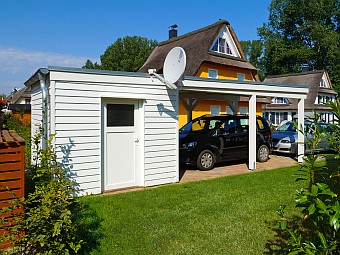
(214, 138)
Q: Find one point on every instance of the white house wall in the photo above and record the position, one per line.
(78, 123)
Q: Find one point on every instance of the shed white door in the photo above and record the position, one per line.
(121, 143)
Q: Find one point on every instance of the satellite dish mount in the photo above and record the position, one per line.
(173, 68)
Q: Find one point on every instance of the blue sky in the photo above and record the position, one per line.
(36, 33)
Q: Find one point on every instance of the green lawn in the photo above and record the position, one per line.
(227, 215)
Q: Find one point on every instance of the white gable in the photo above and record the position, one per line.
(225, 44)
(324, 83)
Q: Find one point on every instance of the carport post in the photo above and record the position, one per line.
(252, 132)
(300, 136)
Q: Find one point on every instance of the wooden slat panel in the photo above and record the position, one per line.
(10, 157)
(10, 175)
(13, 149)
(7, 136)
(17, 137)
(9, 166)
(7, 195)
(15, 184)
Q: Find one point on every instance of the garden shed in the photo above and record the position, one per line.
(118, 130)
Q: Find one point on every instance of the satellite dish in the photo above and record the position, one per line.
(174, 65)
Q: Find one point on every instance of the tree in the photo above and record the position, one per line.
(126, 54)
(254, 52)
(302, 32)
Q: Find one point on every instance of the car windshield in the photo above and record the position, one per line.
(288, 126)
(201, 124)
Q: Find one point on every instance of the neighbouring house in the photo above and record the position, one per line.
(320, 91)
(19, 103)
(212, 52)
(115, 130)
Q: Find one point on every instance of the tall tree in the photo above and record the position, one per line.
(302, 32)
(254, 52)
(126, 54)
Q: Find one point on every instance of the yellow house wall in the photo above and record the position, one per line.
(229, 73)
(203, 107)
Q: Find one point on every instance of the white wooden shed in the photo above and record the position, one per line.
(118, 130)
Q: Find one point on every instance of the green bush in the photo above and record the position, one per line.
(23, 129)
(317, 230)
(48, 220)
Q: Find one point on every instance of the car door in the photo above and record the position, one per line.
(231, 139)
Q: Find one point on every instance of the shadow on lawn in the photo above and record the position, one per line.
(88, 228)
(279, 244)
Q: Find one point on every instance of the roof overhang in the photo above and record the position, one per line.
(195, 85)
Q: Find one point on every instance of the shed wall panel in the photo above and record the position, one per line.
(78, 125)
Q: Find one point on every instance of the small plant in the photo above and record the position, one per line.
(48, 222)
(318, 230)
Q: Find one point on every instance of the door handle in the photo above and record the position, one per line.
(136, 140)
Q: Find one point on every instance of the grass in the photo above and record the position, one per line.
(229, 215)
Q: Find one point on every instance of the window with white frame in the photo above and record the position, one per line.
(213, 73)
(243, 110)
(276, 117)
(321, 99)
(280, 100)
(215, 109)
(228, 110)
(241, 76)
(221, 45)
(324, 83)
(225, 44)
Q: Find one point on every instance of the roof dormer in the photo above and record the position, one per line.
(324, 83)
(225, 43)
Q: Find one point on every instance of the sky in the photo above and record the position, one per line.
(36, 33)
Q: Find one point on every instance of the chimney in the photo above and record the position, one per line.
(173, 31)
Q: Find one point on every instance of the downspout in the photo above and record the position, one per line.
(42, 79)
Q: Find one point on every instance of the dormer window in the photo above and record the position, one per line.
(324, 83)
(224, 43)
(222, 46)
(280, 100)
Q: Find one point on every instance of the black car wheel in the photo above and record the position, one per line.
(263, 153)
(206, 160)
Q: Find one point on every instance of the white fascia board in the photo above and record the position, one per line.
(245, 88)
(102, 78)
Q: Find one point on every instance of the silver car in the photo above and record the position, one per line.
(285, 138)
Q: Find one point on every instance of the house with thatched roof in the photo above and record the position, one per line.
(320, 91)
(19, 103)
(212, 52)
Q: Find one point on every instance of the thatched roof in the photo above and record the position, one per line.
(311, 79)
(22, 93)
(197, 46)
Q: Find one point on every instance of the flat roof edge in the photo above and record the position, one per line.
(96, 71)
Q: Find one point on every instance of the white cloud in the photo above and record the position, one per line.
(17, 65)
(14, 60)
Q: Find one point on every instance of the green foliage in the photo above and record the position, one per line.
(24, 130)
(126, 54)
(254, 52)
(317, 231)
(48, 221)
(302, 32)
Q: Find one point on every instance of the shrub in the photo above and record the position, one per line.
(50, 210)
(317, 231)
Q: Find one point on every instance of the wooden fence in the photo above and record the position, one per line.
(12, 171)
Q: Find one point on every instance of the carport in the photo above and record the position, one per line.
(194, 89)
(84, 112)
